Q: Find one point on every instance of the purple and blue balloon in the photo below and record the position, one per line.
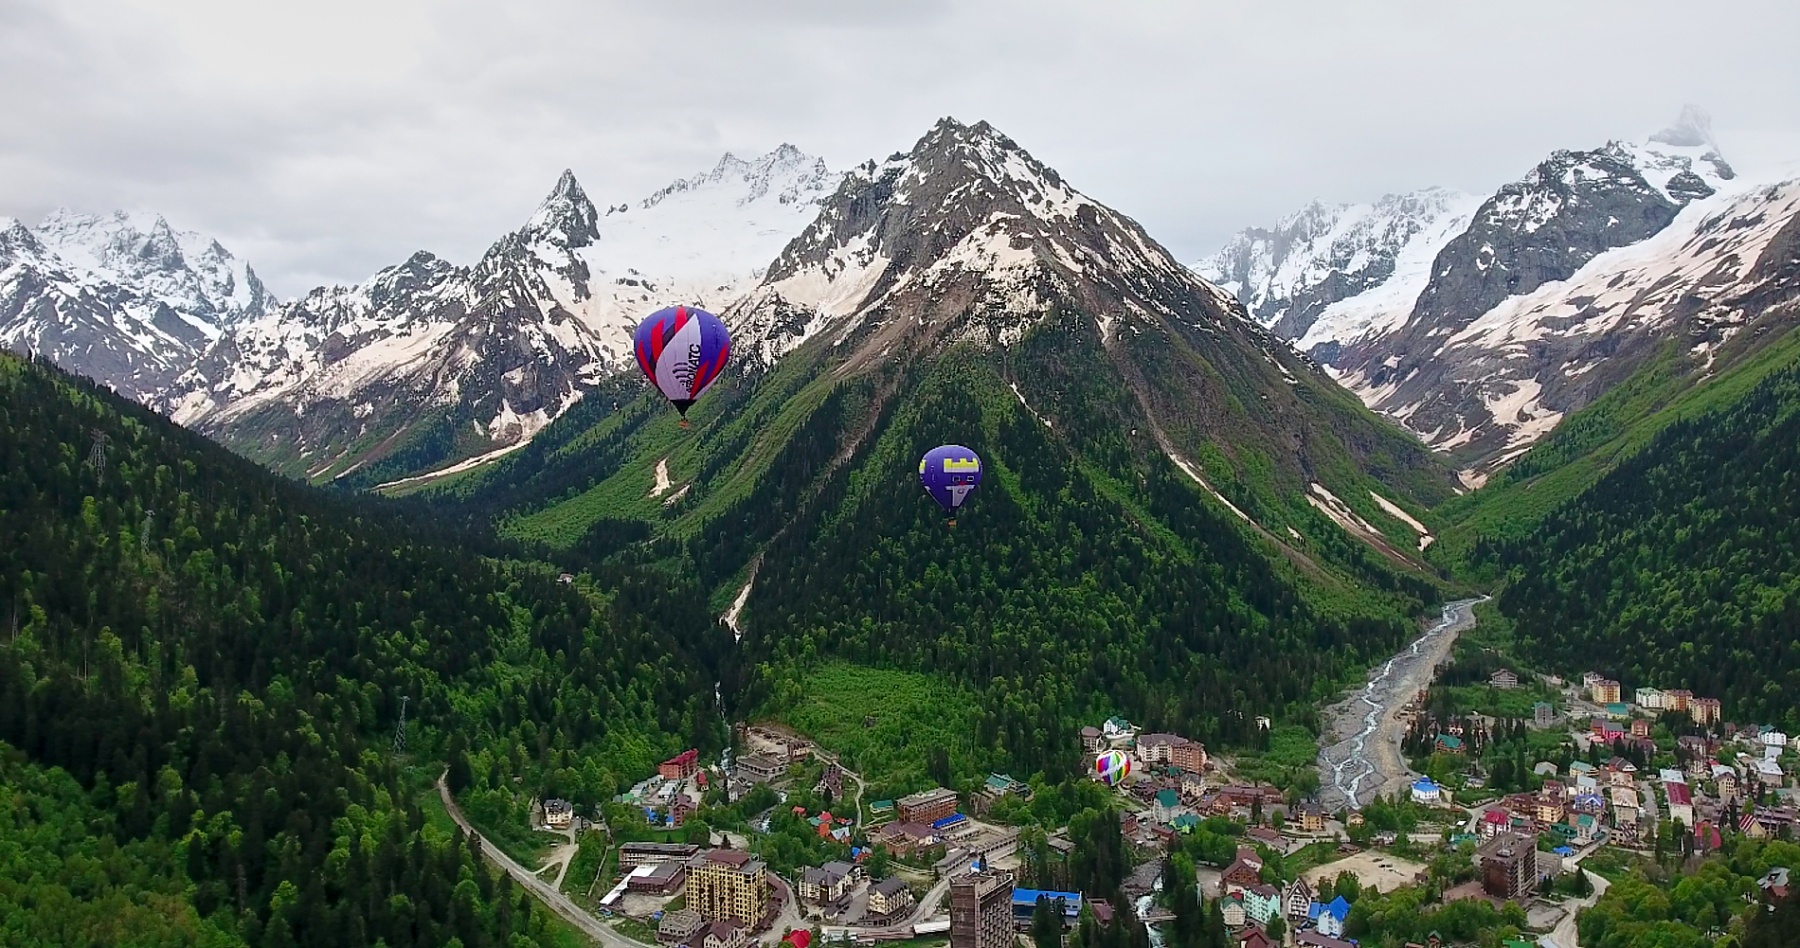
(682, 350)
(950, 473)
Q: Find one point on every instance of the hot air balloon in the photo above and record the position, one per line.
(950, 472)
(1112, 767)
(682, 350)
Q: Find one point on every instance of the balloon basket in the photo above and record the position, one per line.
(684, 423)
(953, 523)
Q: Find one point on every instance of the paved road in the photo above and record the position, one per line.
(1565, 934)
(1366, 761)
(861, 788)
(557, 902)
(789, 918)
(922, 911)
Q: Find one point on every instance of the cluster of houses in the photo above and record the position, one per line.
(830, 888)
(730, 894)
(1573, 811)
(1247, 904)
(1169, 779)
(666, 800)
(836, 828)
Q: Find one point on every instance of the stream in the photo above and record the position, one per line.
(1346, 775)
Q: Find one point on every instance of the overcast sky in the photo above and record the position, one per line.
(323, 140)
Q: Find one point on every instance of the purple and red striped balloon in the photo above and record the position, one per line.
(682, 350)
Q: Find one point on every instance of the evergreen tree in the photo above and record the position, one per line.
(1046, 923)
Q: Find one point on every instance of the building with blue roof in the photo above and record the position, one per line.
(1329, 918)
(1425, 790)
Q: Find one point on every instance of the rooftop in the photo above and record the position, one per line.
(891, 886)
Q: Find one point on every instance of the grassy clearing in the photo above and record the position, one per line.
(1486, 699)
(634, 929)
(907, 715)
(1309, 856)
(1289, 759)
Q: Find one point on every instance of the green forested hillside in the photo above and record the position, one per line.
(216, 659)
(1591, 442)
(1089, 576)
(1075, 584)
(1681, 567)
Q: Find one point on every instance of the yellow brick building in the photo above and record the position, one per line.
(727, 884)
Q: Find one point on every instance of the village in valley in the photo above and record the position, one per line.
(1511, 823)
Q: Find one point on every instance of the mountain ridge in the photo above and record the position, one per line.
(124, 298)
(429, 364)
(1162, 475)
(1557, 286)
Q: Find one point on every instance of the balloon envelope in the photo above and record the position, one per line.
(950, 472)
(1112, 767)
(682, 350)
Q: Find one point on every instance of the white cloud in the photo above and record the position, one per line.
(325, 140)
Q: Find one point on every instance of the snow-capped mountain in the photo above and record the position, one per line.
(1291, 275)
(964, 290)
(125, 299)
(429, 362)
(1590, 257)
(967, 208)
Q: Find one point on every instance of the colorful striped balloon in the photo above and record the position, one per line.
(682, 350)
(1112, 767)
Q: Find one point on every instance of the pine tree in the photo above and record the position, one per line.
(1046, 923)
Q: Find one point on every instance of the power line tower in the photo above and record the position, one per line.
(97, 453)
(400, 730)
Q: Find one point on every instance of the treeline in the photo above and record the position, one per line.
(1681, 567)
(217, 658)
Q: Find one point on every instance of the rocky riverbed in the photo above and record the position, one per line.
(1361, 755)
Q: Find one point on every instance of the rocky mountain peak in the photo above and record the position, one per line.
(1301, 276)
(791, 174)
(566, 215)
(969, 219)
(15, 237)
(1692, 129)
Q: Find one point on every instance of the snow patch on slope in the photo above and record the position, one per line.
(737, 609)
(463, 465)
(1393, 510)
(1189, 470)
(1340, 513)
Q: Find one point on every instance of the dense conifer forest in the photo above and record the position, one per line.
(1681, 567)
(203, 667)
